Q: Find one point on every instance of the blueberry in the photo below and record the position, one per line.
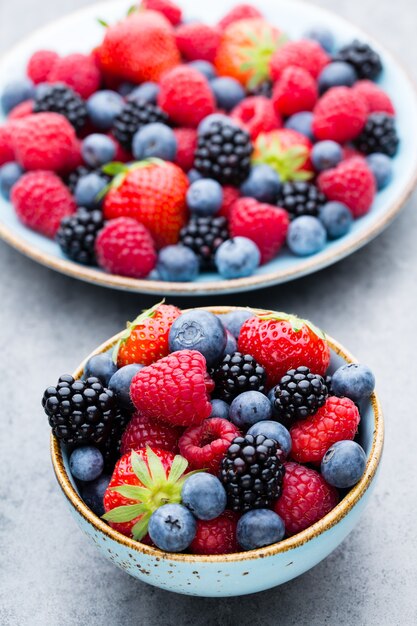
(259, 528)
(273, 430)
(120, 382)
(205, 197)
(336, 74)
(322, 36)
(97, 149)
(204, 67)
(88, 189)
(250, 407)
(93, 493)
(172, 527)
(381, 167)
(306, 235)
(146, 92)
(326, 154)
(199, 330)
(237, 257)
(86, 463)
(204, 495)
(213, 117)
(177, 263)
(336, 219)
(155, 140)
(228, 92)
(194, 175)
(353, 380)
(301, 122)
(9, 175)
(234, 320)
(101, 366)
(15, 92)
(103, 107)
(263, 184)
(220, 408)
(231, 344)
(343, 464)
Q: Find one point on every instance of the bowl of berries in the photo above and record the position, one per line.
(249, 149)
(216, 451)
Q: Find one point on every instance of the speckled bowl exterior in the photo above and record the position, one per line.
(245, 572)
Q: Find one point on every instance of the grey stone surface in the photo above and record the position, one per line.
(50, 574)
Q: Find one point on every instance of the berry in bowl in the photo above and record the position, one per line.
(216, 451)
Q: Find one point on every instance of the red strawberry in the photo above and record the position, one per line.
(186, 96)
(168, 9)
(303, 53)
(205, 445)
(216, 536)
(295, 91)
(141, 432)
(352, 183)
(78, 71)
(153, 193)
(280, 342)
(376, 99)
(6, 144)
(198, 41)
(230, 195)
(305, 498)
(21, 110)
(265, 224)
(174, 390)
(287, 152)
(186, 146)
(239, 12)
(339, 115)
(41, 200)
(336, 420)
(40, 64)
(256, 114)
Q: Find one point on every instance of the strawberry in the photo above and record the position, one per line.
(186, 147)
(256, 114)
(169, 9)
(6, 144)
(205, 445)
(153, 193)
(339, 115)
(40, 64)
(198, 41)
(78, 71)
(287, 152)
(279, 342)
(295, 91)
(230, 195)
(239, 12)
(216, 536)
(141, 432)
(185, 95)
(376, 99)
(307, 54)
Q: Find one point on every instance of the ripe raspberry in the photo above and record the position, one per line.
(198, 41)
(336, 420)
(376, 99)
(230, 195)
(170, 10)
(204, 446)
(186, 147)
(40, 65)
(21, 110)
(352, 183)
(6, 144)
(239, 12)
(308, 55)
(79, 71)
(256, 114)
(174, 390)
(295, 91)
(265, 224)
(125, 247)
(216, 536)
(340, 115)
(186, 96)
(141, 432)
(41, 200)
(305, 498)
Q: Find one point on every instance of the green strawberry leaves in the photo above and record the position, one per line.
(296, 322)
(285, 161)
(256, 58)
(132, 325)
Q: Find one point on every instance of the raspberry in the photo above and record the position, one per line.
(295, 91)
(78, 71)
(170, 10)
(336, 420)
(239, 12)
(174, 390)
(41, 200)
(340, 115)
(376, 99)
(204, 446)
(186, 147)
(6, 144)
(256, 115)
(141, 432)
(216, 536)
(125, 247)
(304, 53)
(40, 65)
(230, 195)
(21, 110)
(186, 96)
(198, 41)
(305, 498)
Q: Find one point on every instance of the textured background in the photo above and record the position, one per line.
(51, 575)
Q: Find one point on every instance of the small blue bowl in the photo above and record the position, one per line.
(243, 572)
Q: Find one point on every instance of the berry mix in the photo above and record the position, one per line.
(177, 147)
(209, 433)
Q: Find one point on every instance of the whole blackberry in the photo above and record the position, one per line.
(223, 153)
(252, 473)
(238, 373)
(301, 198)
(378, 135)
(133, 116)
(299, 394)
(79, 411)
(62, 99)
(204, 235)
(110, 449)
(77, 234)
(362, 57)
(262, 89)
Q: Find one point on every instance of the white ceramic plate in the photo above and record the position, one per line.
(81, 32)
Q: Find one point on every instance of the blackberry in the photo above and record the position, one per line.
(110, 449)
(238, 373)
(378, 135)
(77, 234)
(80, 412)
(133, 116)
(262, 89)
(62, 99)
(252, 473)
(204, 235)
(223, 153)
(299, 394)
(301, 198)
(362, 57)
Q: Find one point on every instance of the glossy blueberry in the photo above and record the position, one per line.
(228, 92)
(259, 527)
(343, 464)
(204, 495)
(88, 189)
(120, 382)
(199, 330)
(336, 74)
(172, 527)
(93, 493)
(301, 122)
(353, 380)
(204, 197)
(220, 408)
(194, 175)
(204, 67)
(146, 92)
(9, 175)
(322, 35)
(234, 320)
(263, 184)
(155, 140)
(86, 463)
(98, 149)
(250, 407)
(273, 430)
(326, 154)
(237, 257)
(231, 344)
(306, 235)
(101, 366)
(214, 117)
(381, 167)
(177, 263)
(103, 107)
(15, 92)
(336, 219)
